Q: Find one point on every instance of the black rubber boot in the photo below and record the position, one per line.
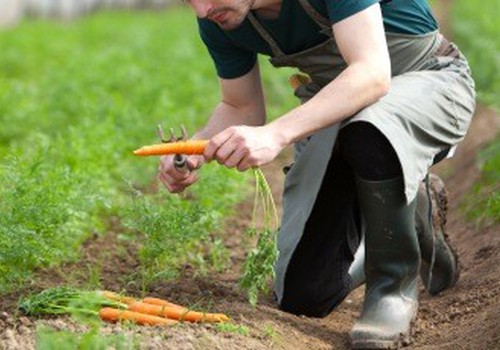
(391, 266)
(357, 268)
(439, 269)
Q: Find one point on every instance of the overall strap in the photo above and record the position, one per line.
(323, 22)
(265, 35)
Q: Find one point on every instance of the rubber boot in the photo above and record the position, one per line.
(391, 266)
(439, 269)
(357, 268)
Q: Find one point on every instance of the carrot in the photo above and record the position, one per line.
(160, 302)
(117, 297)
(181, 314)
(109, 314)
(297, 80)
(180, 147)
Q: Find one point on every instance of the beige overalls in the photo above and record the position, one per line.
(427, 110)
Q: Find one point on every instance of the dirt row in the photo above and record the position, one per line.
(465, 317)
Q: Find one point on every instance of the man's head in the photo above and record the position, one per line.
(228, 14)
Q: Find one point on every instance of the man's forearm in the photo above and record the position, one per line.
(226, 115)
(356, 87)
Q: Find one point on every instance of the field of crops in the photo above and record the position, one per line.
(477, 31)
(75, 100)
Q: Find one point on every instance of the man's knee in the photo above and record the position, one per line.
(368, 152)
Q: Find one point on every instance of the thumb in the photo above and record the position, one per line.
(194, 162)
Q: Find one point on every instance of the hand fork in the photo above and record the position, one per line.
(180, 160)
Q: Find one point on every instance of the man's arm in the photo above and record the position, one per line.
(242, 103)
(361, 40)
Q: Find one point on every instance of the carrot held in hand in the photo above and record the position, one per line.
(109, 314)
(180, 147)
(181, 314)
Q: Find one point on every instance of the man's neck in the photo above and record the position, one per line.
(268, 9)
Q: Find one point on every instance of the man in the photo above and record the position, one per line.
(388, 96)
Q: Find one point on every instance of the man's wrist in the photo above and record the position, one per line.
(280, 134)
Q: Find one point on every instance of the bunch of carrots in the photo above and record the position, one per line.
(153, 312)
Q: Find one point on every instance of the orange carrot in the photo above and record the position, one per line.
(117, 297)
(180, 147)
(181, 314)
(109, 314)
(297, 80)
(160, 302)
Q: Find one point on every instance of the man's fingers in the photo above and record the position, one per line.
(216, 143)
(176, 174)
(175, 186)
(235, 158)
(245, 164)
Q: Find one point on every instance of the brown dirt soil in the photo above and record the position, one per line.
(464, 317)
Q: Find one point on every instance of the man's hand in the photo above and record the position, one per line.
(176, 180)
(244, 147)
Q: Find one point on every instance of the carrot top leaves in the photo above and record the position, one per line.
(65, 300)
(258, 269)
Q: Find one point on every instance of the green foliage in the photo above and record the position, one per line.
(259, 265)
(65, 300)
(46, 213)
(228, 327)
(82, 305)
(477, 31)
(483, 204)
(49, 339)
(176, 230)
(75, 100)
(270, 332)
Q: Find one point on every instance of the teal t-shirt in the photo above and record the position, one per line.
(235, 52)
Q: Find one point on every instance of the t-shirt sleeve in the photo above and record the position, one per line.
(341, 9)
(231, 61)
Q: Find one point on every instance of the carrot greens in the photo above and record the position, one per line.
(65, 300)
(259, 264)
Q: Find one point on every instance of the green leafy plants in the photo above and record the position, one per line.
(49, 339)
(476, 30)
(45, 214)
(65, 300)
(483, 203)
(75, 100)
(259, 264)
(228, 327)
(177, 231)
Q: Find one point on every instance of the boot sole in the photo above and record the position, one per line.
(403, 340)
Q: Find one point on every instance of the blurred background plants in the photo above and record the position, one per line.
(75, 100)
(77, 97)
(476, 29)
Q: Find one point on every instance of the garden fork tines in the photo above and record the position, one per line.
(179, 159)
(173, 138)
